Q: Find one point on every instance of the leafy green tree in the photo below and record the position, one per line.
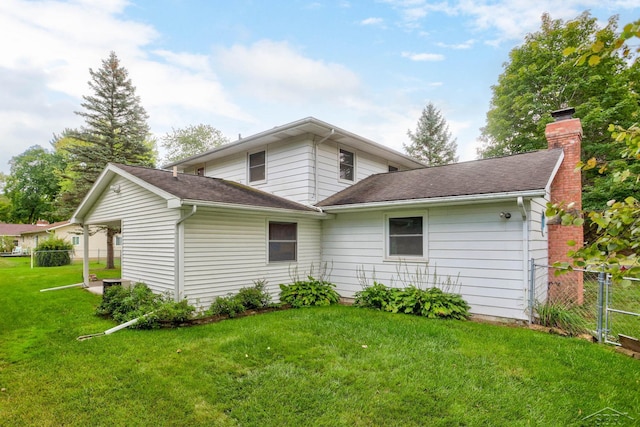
(5, 203)
(540, 77)
(432, 143)
(189, 141)
(30, 188)
(616, 244)
(115, 130)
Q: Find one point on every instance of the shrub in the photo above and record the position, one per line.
(309, 292)
(124, 304)
(376, 296)
(254, 297)
(431, 303)
(229, 306)
(556, 315)
(53, 252)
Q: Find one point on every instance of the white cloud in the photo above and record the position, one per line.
(275, 72)
(458, 46)
(372, 21)
(423, 56)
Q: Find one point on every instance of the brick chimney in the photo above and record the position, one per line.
(565, 133)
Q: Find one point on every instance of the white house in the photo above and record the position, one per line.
(72, 233)
(308, 193)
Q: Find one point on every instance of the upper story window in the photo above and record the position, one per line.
(257, 166)
(283, 241)
(347, 165)
(200, 171)
(393, 169)
(406, 236)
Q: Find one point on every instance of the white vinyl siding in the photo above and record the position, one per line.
(469, 243)
(149, 229)
(329, 181)
(227, 251)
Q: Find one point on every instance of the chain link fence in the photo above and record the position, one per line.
(585, 302)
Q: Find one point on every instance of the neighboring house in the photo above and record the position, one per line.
(12, 235)
(292, 199)
(73, 234)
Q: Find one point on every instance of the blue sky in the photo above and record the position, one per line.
(245, 66)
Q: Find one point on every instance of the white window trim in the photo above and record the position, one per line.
(266, 157)
(75, 240)
(283, 220)
(355, 163)
(425, 233)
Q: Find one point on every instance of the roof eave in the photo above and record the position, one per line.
(316, 212)
(256, 140)
(437, 201)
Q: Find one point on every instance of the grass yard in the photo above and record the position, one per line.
(333, 366)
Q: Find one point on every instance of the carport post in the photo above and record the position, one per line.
(85, 254)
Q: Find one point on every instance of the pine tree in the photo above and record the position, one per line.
(431, 143)
(115, 130)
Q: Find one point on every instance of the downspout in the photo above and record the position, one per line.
(85, 255)
(315, 159)
(525, 245)
(179, 254)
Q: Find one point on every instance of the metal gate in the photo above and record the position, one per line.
(622, 310)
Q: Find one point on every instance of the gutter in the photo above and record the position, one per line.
(436, 201)
(315, 212)
(179, 254)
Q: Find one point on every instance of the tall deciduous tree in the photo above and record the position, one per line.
(5, 203)
(432, 143)
(539, 78)
(191, 140)
(616, 243)
(30, 187)
(115, 130)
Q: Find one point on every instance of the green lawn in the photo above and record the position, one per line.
(339, 366)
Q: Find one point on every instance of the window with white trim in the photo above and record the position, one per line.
(118, 240)
(347, 165)
(406, 236)
(75, 240)
(283, 241)
(258, 166)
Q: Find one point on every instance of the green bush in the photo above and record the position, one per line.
(251, 298)
(226, 306)
(53, 252)
(254, 297)
(431, 303)
(124, 304)
(304, 293)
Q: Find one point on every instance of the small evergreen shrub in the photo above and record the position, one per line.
(305, 293)
(431, 303)
(53, 252)
(123, 304)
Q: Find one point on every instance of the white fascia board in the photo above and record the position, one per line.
(439, 201)
(235, 206)
(103, 181)
(554, 172)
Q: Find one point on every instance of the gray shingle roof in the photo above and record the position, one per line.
(206, 189)
(521, 172)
